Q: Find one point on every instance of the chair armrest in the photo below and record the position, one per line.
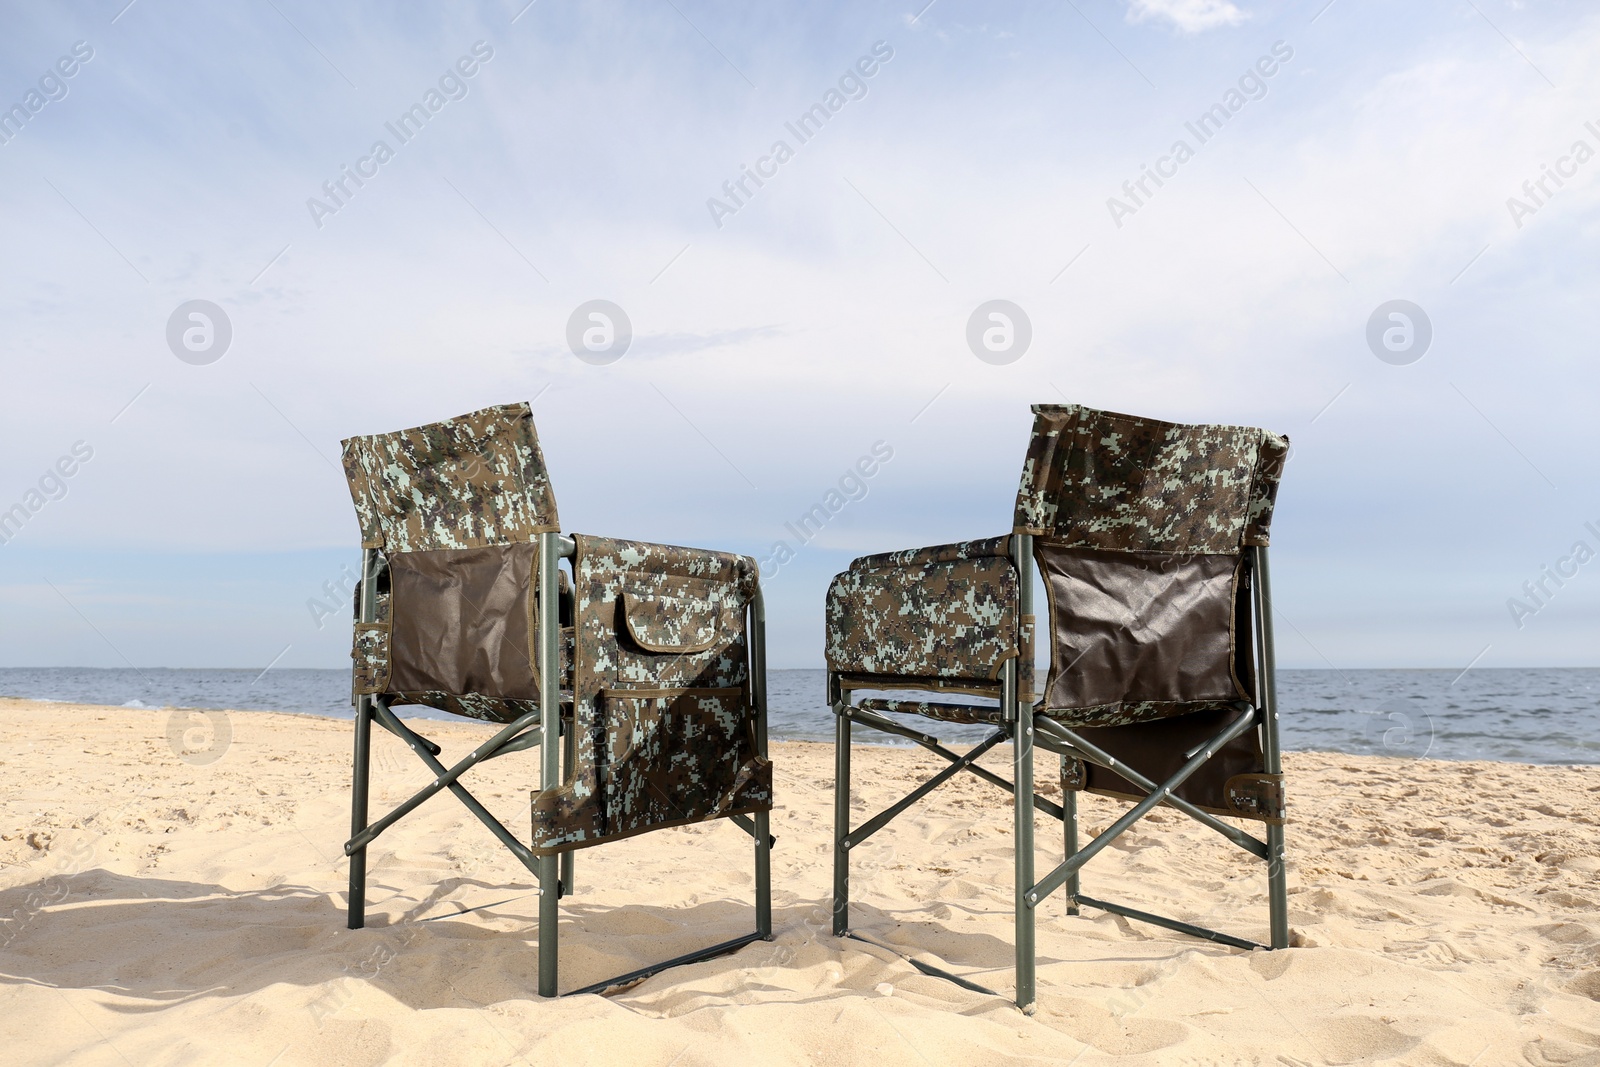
(949, 612)
(661, 615)
(666, 733)
(987, 548)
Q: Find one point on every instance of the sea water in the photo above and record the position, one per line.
(1521, 715)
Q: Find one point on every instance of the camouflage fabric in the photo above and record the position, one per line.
(957, 713)
(1096, 479)
(943, 612)
(370, 651)
(470, 705)
(1105, 715)
(985, 548)
(961, 687)
(665, 623)
(465, 483)
(1073, 775)
(475, 480)
(1257, 796)
(1264, 490)
(664, 727)
(369, 645)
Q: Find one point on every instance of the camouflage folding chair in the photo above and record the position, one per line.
(1152, 541)
(650, 668)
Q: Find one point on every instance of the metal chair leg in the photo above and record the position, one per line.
(1277, 888)
(1019, 711)
(357, 901)
(763, 819)
(1272, 753)
(549, 919)
(1277, 874)
(1069, 834)
(549, 867)
(569, 864)
(1022, 751)
(841, 823)
(763, 875)
(366, 611)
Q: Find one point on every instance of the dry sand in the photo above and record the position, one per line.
(155, 911)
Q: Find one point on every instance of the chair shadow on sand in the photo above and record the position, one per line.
(155, 943)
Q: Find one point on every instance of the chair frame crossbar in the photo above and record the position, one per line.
(1024, 727)
(554, 872)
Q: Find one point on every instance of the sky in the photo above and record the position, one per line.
(1335, 158)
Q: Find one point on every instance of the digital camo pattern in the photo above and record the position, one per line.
(969, 714)
(1097, 479)
(1257, 796)
(1264, 490)
(1073, 775)
(662, 737)
(943, 612)
(473, 705)
(369, 643)
(985, 548)
(664, 623)
(680, 758)
(950, 686)
(370, 651)
(1105, 715)
(614, 575)
(471, 481)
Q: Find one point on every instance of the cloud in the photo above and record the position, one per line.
(1190, 16)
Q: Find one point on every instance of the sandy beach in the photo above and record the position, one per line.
(157, 910)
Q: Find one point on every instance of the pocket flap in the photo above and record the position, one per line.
(661, 623)
(369, 648)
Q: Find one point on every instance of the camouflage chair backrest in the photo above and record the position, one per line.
(1097, 479)
(455, 507)
(466, 482)
(1140, 526)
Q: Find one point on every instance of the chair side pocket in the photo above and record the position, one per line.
(369, 649)
(676, 756)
